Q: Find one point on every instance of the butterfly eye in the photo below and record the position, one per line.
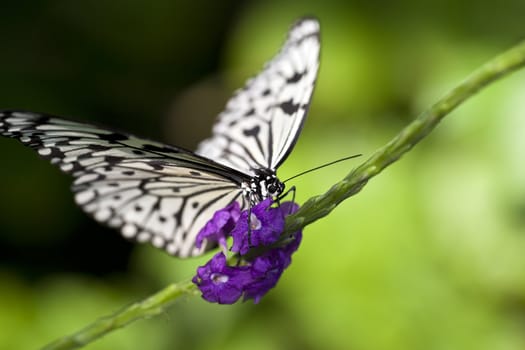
(275, 188)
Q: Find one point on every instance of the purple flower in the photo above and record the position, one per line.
(288, 208)
(253, 278)
(266, 225)
(220, 226)
(265, 272)
(268, 268)
(291, 247)
(220, 283)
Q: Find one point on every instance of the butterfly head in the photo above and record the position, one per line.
(265, 185)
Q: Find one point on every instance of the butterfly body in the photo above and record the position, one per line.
(263, 185)
(162, 194)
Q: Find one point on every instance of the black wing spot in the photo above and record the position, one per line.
(249, 112)
(289, 107)
(156, 164)
(295, 78)
(195, 173)
(113, 159)
(175, 189)
(153, 148)
(138, 152)
(195, 205)
(55, 153)
(113, 184)
(252, 132)
(96, 148)
(162, 219)
(113, 137)
(76, 167)
(128, 172)
(138, 208)
(117, 197)
(266, 92)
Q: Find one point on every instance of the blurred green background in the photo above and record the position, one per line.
(430, 255)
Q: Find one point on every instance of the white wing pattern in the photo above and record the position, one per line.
(149, 191)
(262, 121)
(162, 194)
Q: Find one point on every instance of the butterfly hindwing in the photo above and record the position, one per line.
(262, 121)
(149, 191)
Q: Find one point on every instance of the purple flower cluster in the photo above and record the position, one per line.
(260, 226)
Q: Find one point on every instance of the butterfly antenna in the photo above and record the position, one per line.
(322, 166)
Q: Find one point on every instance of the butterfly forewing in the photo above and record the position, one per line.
(151, 192)
(262, 121)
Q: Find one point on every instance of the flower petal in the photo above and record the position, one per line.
(220, 283)
(218, 228)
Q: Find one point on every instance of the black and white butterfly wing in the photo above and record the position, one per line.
(151, 192)
(262, 121)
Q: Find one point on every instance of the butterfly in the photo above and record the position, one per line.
(153, 192)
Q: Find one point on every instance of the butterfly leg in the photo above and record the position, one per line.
(292, 190)
(250, 226)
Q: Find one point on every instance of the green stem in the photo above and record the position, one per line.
(319, 206)
(149, 307)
